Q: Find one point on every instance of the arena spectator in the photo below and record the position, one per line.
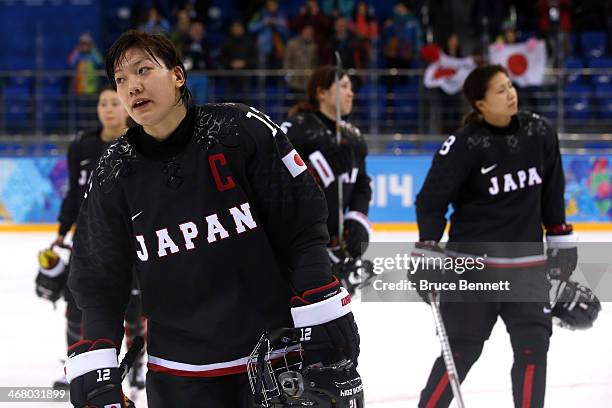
(346, 43)
(269, 24)
(402, 37)
(237, 53)
(180, 31)
(238, 50)
(452, 46)
(301, 54)
(156, 23)
(339, 8)
(365, 27)
(311, 14)
(196, 55)
(85, 59)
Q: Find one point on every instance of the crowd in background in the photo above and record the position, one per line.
(266, 37)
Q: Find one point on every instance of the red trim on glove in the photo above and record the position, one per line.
(559, 229)
(309, 292)
(92, 344)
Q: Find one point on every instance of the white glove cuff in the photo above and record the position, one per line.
(562, 241)
(323, 311)
(90, 361)
(54, 272)
(360, 218)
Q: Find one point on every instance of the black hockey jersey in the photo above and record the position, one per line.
(504, 184)
(83, 154)
(312, 134)
(222, 222)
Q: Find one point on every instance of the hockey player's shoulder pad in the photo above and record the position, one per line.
(217, 123)
(116, 162)
(84, 136)
(471, 137)
(351, 130)
(303, 126)
(353, 133)
(534, 124)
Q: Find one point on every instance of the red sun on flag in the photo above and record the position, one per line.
(517, 64)
(444, 72)
(298, 160)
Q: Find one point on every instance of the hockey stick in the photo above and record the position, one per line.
(131, 356)
(449, 362)
(339, 142)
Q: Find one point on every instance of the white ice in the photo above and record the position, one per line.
(398, 345)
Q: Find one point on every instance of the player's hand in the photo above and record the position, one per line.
(356, 233)
(561, 253)
(429, 256)
(59, 241)
(329, 331)
(561, 262)
(51, 278)
(94, 375)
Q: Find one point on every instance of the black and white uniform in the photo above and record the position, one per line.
(314, 137)
(223, 224)
(83, 155)
(505, 185)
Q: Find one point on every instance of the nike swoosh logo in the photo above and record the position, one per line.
(136, 215)
(84, 162)
(485, 170)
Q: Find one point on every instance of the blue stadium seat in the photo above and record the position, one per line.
(406, 107)
(603, 96)
(574, 44)
(578, 102)
(17, 100)
(601, 63)
(51, 103)
(594, 44)
(572, 63)
(370, 101)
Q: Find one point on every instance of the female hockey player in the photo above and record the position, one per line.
(312, 130)
(225, 228)
(502, 174)
(83, 154)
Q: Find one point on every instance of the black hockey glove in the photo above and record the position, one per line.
(329, 331)
(94, 375)
(561, 254)
(430, 257)
(51, 278)
(356, 233)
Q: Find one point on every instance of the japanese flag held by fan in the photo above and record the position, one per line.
(525, 62)
(448, 73)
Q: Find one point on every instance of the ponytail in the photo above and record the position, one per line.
(302, 107)
(473, 117)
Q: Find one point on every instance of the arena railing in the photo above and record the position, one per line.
(391, 107)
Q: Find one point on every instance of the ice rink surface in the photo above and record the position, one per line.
(398, 343)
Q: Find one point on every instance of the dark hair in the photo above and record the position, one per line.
(323, 77)
(475, 87)
(157, 46)
(106, 87)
